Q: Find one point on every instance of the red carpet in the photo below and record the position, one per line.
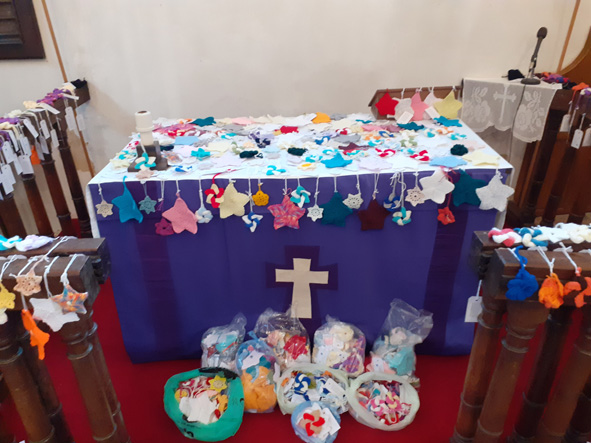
(140, 390)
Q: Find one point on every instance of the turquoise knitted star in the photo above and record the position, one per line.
(128, 209)
(148, 205)
(336, 162)
(465, 190)
(200, 153)
(335, 211)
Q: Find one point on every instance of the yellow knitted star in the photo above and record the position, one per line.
(480, 158)
(449, 106)
(218, 383)
(233, 203)
(6, 298)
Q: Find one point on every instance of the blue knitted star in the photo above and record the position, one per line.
(412, 126)
(524, 285)
(465, 190)
(450, 161)
(204, 121)
(337, 161)
(335, 211)
(128, 209)
(448, 122)
(148, 205)
(200, 153)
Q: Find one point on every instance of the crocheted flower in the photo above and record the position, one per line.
(446, 216)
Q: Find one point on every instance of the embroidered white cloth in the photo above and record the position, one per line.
(494, 102)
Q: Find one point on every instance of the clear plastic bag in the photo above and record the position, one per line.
(404, 327)
(311, 382)
(258, 371)
(339, 345)
(220, 344)
(286, 335)
(367, 408)
(316, 422)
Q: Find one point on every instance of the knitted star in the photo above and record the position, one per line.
(436, 186)
(315, 212)
(335, 211)
(404, 105)
(449, 161)
(445, 216)
(120, 163)
(374, 164)
(337, 161)
(6, 298)
(353, 201)
(522, 287)
(51, 313)
(128, 209)
(551, 294)
(71, 300)
(321, 117)
(181, 217)
(286, 214)
(28, 284)
(449, 106)
(415, 196)
(144, 174)
(418, 106)
(260, 198)
(163, 227)
(386, 105)
(465, 190)
(233, 203)
(495, 194)
(103, 208)
(148, 205)
(478, 158)
(200, 154)
(373, 217)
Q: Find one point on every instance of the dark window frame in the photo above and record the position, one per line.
(31, 44)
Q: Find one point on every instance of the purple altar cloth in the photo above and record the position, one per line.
(169, 290)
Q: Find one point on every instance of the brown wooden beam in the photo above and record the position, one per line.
(57, 195)
(37, 207)
(11, 218)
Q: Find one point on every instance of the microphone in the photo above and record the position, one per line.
(530, 79)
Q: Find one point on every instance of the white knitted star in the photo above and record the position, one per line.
(315, 212)
(51, 313)
(353, 201)
(103, 208)
(415, 196)
(495, 194)
(436, 186)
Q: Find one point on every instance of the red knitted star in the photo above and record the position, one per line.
(373, 217)
(386, 105)
(286, 214)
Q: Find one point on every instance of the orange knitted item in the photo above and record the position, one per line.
(551, 294)
(38, 337)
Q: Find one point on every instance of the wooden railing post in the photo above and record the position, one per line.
(11, 219)
(74, 182)
(522, 322)
(579, 430)
(563, 402)
(57, 195)
(37, 207)
(543, 373)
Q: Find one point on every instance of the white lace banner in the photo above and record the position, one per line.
(494, 102)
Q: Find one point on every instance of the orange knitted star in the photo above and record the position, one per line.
(551, 294)
(38, 337)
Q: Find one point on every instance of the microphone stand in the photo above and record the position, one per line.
(531, 79)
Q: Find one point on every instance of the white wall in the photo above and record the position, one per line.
(196, 58)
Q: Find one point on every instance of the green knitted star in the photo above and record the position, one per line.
(465, 190)
(335, 211)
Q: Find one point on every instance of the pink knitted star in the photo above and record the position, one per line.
(286, 214)
(181, 217)
(418, 106)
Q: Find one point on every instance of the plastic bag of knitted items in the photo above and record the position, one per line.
(220, 344)
(258, 371)
(404, 327)
(316, 422)
(311, 382)
(339, 345)
(382, 401)
(206, 404)
(286, 335)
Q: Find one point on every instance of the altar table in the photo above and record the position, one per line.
(169, 290)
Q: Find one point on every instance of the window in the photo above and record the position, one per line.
(19, 31)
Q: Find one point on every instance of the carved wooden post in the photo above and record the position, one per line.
(80, 353)
(579, 430)
(479, 368)
(105, 378)
(74, 183)
(57, 195)
(53, 406)
(23, 389)
(576, 372)
(36, 203)
(543, 373)
(11, 219)
(522, 321)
